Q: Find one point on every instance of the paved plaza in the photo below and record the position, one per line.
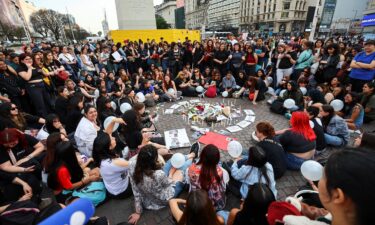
(118, 211)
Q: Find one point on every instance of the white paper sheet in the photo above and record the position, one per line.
(250, 118)
(249, 112)
(234, 129)
(117, 56)
(168, 111)
(243, 124)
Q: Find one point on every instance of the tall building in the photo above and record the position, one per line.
(368, 21)
(135, 14)
(167, 11)
(223, 15)
(105, 24)
(28, 8)
(13, 16)
(273, 16)
(196, 14)
(180, 14)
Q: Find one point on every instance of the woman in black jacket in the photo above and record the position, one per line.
(328, 64)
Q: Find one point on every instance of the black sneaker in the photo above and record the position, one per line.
(195, 147)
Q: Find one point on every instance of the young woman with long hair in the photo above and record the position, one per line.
(251, 60)
(353, 112)
(298, 141)
(207, 174)
(113, 169)
(254, 207)
(198, 210)
(52, 125)
(65, 173)
(11, 117)
(167, 85)
(336, 130)
(152, 187)
(253, 169)
(368, 101)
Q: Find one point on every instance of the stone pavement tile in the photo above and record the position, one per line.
(119, 210)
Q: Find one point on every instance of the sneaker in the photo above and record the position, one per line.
(180, 98)
(195, 147)
(288, 115)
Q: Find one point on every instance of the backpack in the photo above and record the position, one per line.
(277, 106)
(20, 213)
(95, 192)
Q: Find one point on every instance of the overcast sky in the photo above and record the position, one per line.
(88, 13)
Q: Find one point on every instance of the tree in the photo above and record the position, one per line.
(6, 30)
(161, 23)
(47, 20)
(19, 33)
(100, 33)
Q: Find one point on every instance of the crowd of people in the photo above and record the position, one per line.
(73, 119)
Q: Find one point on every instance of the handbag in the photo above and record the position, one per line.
(211, 92)
(62, 75)
(95, 192)
(20, 213)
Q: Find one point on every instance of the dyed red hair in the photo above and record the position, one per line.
(301, 124)
(10, 135)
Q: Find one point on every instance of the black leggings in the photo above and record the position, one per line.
(40, 98)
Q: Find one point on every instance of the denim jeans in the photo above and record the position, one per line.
(179, 185)
(334, 140)
(224, 214)
(293, 162)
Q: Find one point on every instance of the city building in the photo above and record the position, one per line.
(368, 21)
(135, 14)
(167, 11)
(273, 16)
(346, 26)
(196, 14)
(224, 15)
(105, 24)
(13, 16)
(28, 8)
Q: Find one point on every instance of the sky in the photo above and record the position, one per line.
(89, 14)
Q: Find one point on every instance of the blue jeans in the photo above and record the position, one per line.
(224, 214)
(180, 184)
(334, 140)
(293, 162)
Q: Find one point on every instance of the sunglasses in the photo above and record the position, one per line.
(13, 108)
(196, 71)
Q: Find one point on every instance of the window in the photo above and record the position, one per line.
(284, 14)
(286, 5)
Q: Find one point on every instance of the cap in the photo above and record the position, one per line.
(370, 42)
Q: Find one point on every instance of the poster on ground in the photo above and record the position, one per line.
(176, 139)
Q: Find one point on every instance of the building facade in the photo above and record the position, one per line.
(273, 16)
(135, 14)
(223, 15)
(196, 14)
(167, 11)
(28, 8)
(368, 21)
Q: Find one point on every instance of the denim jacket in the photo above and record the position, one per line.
(338, 127)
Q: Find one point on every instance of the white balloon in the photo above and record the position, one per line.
(225, 94)
(303, 90)
(178, 160)
(108, 120)
(289, 103)
(337, 105)
(282, 92)
(125, 107)
(96, 93)
(199, 89)
(77, 218)
(234, 149)
(141, 97)
(113, 105)
(312, 170)
(171, 91)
